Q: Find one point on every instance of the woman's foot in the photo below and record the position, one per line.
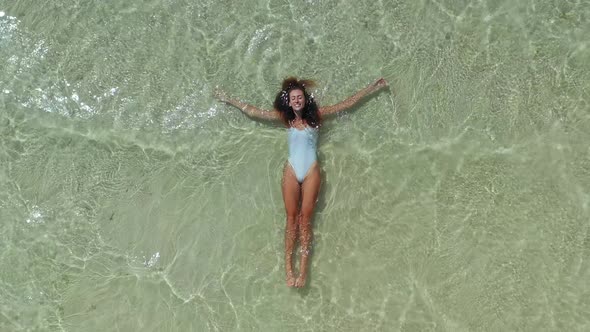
(300, 282)
(290, 280)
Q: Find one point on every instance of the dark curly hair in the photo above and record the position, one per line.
(310, 114)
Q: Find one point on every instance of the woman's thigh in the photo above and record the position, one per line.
(310, 189)
(291, 191)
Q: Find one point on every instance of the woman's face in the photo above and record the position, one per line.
(296, 100)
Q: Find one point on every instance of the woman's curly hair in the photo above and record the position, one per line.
(310, 114)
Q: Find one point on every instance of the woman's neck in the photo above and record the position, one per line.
(297, 122)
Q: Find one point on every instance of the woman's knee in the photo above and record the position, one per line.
(305, 218)
(292, 220)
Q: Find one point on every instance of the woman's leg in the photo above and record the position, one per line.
(309, 192)
(291, 195)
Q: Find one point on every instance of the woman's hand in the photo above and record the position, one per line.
(220, 95)
(380, 83)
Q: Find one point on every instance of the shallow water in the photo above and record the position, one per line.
(131, 200)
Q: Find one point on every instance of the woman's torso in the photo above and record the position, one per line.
(302, 147)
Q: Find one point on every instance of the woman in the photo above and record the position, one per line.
(301, 174)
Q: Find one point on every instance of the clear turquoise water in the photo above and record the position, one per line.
(131, 200)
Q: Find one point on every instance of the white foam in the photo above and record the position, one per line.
(153, 260)
(260, 35)
(35, 217)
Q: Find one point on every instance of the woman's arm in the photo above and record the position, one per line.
(352, 100)
(249, 110)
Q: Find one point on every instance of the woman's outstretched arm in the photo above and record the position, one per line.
(249, 110)
(352, 100)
